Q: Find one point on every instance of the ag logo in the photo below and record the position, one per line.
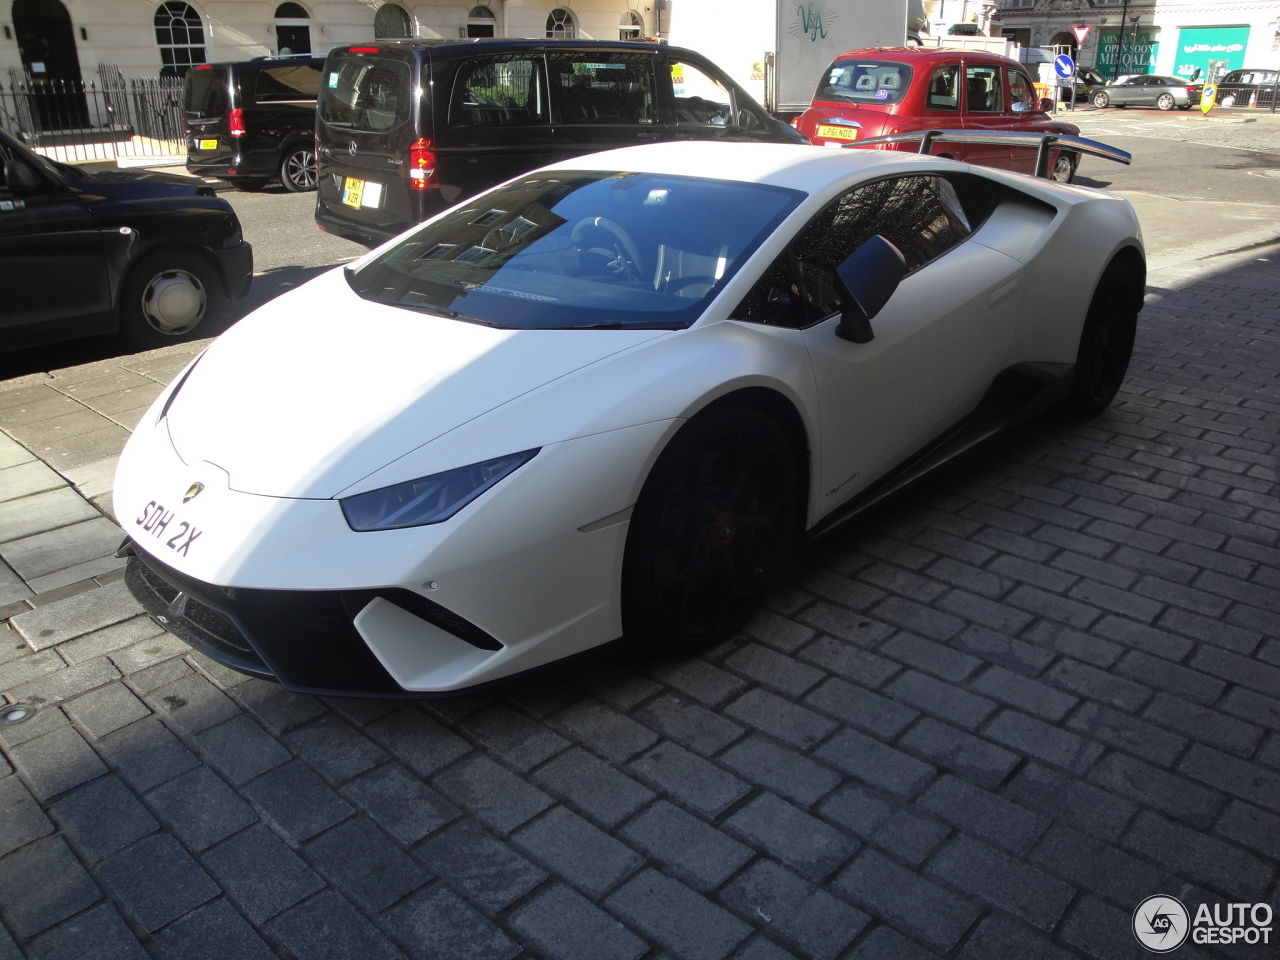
(193, 491)
(1161, 924)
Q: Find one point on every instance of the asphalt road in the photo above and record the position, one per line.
(1168, 160)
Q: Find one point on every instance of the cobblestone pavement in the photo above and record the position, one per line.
(985, 723)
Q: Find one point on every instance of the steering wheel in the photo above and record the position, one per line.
(623, 260)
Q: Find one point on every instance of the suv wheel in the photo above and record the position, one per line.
(298, 169)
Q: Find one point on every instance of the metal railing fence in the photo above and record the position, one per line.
(77, 121)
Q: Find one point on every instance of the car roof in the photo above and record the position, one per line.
(929, 56)
(794, 166)
(464, 46)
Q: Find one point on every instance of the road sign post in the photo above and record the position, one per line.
(1065, 68)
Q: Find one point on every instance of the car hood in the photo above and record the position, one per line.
(318, 389)
(125, 184)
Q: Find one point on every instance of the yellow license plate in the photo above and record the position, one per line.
(207, 145)
(837, 133)
(352, 191)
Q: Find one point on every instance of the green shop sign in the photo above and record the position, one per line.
(1200, 46)
(1138, 55)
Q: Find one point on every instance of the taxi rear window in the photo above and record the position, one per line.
(865, 81)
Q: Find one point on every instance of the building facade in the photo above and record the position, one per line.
(1152, 36)
(73, 39)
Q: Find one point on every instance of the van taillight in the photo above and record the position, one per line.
(422, 165)
(237, 122)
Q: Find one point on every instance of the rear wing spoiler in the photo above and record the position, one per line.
(1043, 143)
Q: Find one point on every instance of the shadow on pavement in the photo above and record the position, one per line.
(55, 356)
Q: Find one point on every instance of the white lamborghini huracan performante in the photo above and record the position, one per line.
(607, 398)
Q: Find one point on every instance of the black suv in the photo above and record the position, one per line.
(406, 128)
(248, 122)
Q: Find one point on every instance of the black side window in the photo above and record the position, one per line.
(499, 92)
(921, 215)
(287, 84)
(603, 87)
(944, 88)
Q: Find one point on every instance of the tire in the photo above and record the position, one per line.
(1165, 101)
(1064, 169)
(715, 523)
(169, 297)
(1227, 101)
(1184, 106)
(248, 184)
(1106, 341)
(1101, 100)
(298, 169)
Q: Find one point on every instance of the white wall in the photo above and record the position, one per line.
(122, 32)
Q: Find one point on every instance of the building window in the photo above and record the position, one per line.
(180, 37)
(391, 22)
(481, 22)
(632, 27)
(560, 25)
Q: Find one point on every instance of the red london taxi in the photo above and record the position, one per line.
(887, 90)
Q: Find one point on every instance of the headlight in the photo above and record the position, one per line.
(429, 499)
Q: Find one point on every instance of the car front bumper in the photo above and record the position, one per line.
(526, 574)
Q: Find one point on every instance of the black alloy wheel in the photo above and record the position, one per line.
(1106, 342)
(714, 524)
(298, 169)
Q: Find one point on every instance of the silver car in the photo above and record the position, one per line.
(1148, 90)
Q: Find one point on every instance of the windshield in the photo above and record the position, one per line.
(566, 250)
(865, 81)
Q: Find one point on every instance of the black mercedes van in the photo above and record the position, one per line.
(250, 121)
(406, 128)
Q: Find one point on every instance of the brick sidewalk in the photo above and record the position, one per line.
(986, 723)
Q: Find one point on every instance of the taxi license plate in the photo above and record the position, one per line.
(837, 133)
(206, 144)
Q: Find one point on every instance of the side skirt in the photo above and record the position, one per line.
(1015, 396)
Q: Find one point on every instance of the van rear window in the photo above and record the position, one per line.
(204, 93)
(287, 84)
(369, 94)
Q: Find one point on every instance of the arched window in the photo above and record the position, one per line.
(560, 25)
(481, 22)
(180, 37)
(632, 26)
(391, 21)
(293, 29)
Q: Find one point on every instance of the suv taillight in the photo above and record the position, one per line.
(236, 120)
(422, 164)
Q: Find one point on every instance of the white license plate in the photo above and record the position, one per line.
(158, 521)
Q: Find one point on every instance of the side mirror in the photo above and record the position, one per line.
(20, 179)
(866, 280)
(1044, 105)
